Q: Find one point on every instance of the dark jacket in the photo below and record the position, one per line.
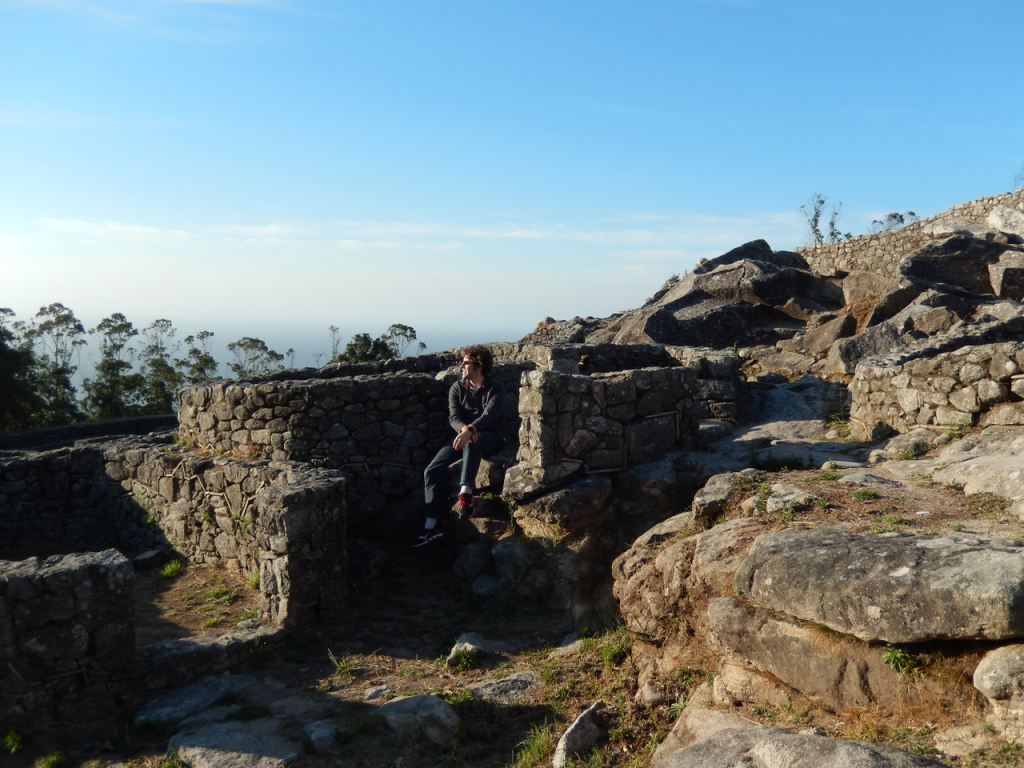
(483, 409)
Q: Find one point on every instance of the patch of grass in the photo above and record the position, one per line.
(213, 621)
(900, 659)
(254, 581)
(956, 527)
(954, 486)
(250, 613)
(462, 660)
(171, 570)
(826, 477)
(345, 666)
(988, 503)
(765, 711)
(959, 431)
(51, 760)
(14, 741)
(887, 524)
(864, 495)
(536, 748)
(223, 594)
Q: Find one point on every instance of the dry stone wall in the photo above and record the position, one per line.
(282, 521)
(62, 501)
(573, 425)
(380, 429)
(67, 640)
(974, 379)
(883, 252)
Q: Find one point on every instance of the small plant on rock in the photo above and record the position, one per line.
(462, 660)
(14, 741)
(900, 659)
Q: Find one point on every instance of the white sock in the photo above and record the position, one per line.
(429, 523)
(466, 489)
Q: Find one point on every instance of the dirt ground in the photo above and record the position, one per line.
(398, 627)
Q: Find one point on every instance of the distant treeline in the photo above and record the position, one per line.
(139, 371)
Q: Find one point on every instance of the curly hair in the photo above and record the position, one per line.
(480, 355)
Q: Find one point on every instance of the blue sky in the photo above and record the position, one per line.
(272, 167)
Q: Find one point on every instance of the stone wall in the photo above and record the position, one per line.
(62, 501)
(67, 640)
(573, 425)
(380, 429)
(974, 379)
(282, 521)
(883, 252)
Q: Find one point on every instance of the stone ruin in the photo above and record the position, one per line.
(272, 476)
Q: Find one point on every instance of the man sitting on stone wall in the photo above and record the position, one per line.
(476, 411)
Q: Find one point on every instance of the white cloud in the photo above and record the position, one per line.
(112, 229)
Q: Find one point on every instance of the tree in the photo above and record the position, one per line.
(161, 377)
(363, 349)
(1018, 180)
(253, 357)
(392, 343)
(399, 337)
(116, 391)
(812, 215)
(894, 221)
(20, 403)
(56, 336)
(198, 364)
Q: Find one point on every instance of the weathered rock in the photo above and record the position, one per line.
(914, 443)
(508, 690)
(712, 498)
(234, 745)
(767, 747)
(956, 262)
(838, 671)
(820, 338)
(580, 736)
(1000, 678)
(877, 340)
(180, 703)
(785, 494)
(570, 508)
(429, 715)
(736, 684)
(895, 588)
(1006, 219)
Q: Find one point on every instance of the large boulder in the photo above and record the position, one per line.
(893, 588)
(838, 671)
(1008, 220)
(957, 262)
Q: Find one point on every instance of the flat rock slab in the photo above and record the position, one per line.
(180, 703)
(893, 588)
(990, 462)
(508, 690)
(234, 745)
(766, 747)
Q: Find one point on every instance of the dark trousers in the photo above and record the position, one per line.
(435, 476)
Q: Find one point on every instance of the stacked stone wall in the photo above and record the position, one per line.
(67, 639)
(974, 379)
(574, 425)
(282, 521)
(883, 252)
(62, 501)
